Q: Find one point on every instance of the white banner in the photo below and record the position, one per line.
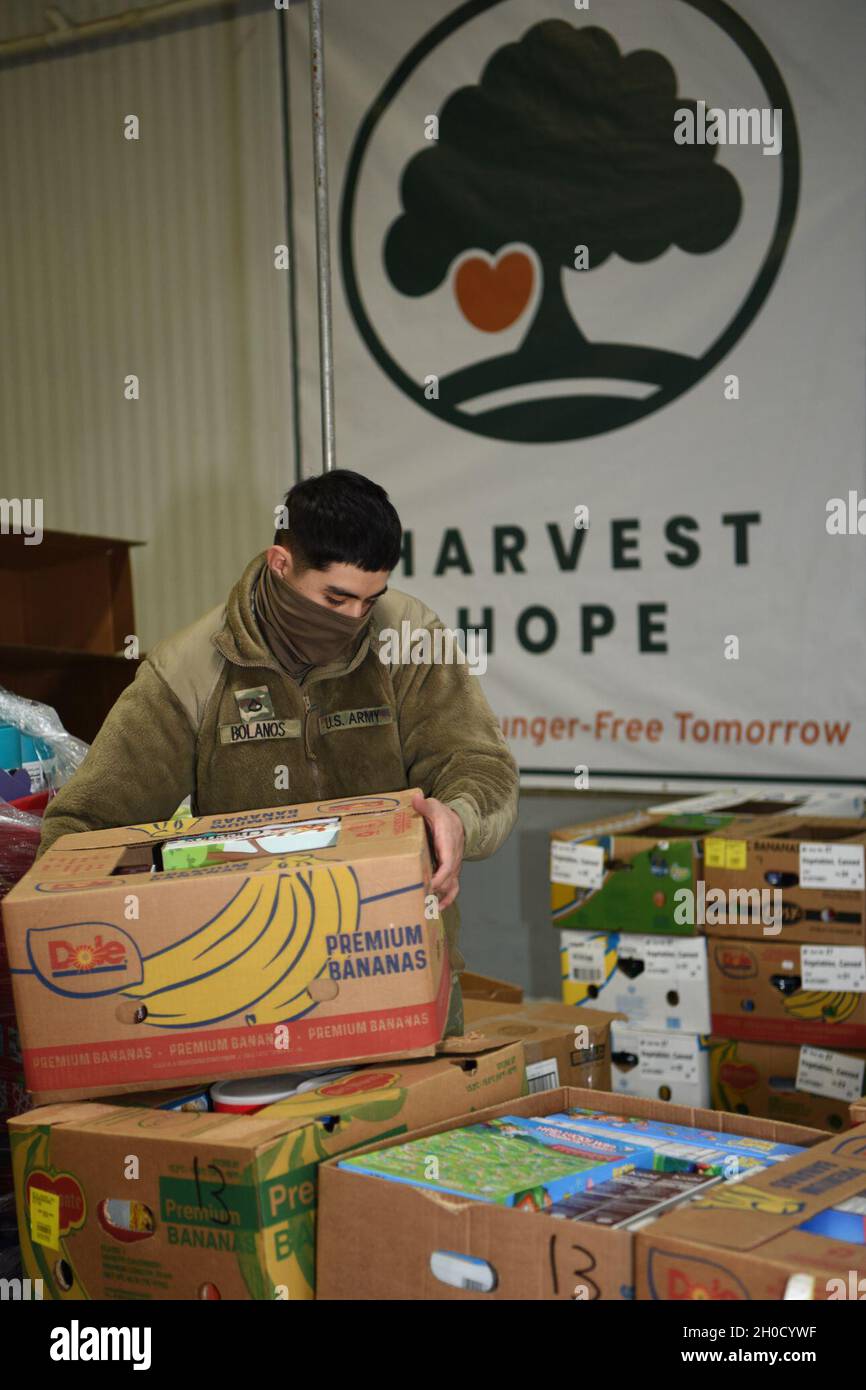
(599, 304)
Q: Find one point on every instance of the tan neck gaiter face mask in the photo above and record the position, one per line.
(299, 632)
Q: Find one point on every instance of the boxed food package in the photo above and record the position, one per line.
(306, 937)
(656, 981)
(444, 1248)
(795, 1230)
(794, 877)
(662, 1146)
(804, 1085)
(501, 1161)
(660, 1065)
(562, 1046)
(778, 991)
(216, 1206)
(622, 874)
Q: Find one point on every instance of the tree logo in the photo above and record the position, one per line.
(559, 166)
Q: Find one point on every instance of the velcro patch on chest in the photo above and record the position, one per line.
(254, 704)
(258, 730)
(355, 719)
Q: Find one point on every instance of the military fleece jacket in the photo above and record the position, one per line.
(211, 714)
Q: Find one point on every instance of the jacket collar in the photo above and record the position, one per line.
(241, 642)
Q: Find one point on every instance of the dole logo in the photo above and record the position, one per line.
(84, 958)
(72, 1206)
(98, 954)
(736, 962)
(740, 1076)
(681, 1277)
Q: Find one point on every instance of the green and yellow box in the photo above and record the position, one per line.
(622, 874)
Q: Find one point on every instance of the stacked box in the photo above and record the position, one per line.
(628, 944)
(295, 931)
(223, 1206)
(783, 1081)
(785, 910)
(769, 801)
(562, 1046)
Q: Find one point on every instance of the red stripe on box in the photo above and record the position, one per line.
(789, 1030)
(212, 1052)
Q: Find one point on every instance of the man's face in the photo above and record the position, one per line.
(341, 588)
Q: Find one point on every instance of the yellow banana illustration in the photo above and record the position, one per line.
(742, 1196)
(829, 1005)
(337, 907)
(215, 943)
(258, 956)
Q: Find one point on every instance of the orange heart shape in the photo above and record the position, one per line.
(492, 295)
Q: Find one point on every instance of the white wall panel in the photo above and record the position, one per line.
(154, 257)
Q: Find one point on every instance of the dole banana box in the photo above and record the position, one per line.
(622, 874)
(778, 991)
(784, 1233)
(315, 942)
(781, 1081)
(120, 1202)
(795, 877)
(658, 982)
(449, 1249)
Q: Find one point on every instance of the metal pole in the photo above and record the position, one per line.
(323, 244)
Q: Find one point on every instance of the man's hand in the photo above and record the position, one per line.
(446, 832)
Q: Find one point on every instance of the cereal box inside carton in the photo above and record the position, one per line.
(513, 1254)
(260, 941)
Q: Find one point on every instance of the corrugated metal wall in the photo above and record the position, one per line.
(152, 257)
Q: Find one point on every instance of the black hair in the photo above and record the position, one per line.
(340, 518)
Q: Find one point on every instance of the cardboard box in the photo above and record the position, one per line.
(746, 1240)
(656, 981)
(769, 801)
(230, 1200)
(804, 1085)
(127, 977)
(517, 1255)
(620, 875)
(778, 991)
(485, 987)
(811, 870)
(563, 1046)
(660, 1066)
